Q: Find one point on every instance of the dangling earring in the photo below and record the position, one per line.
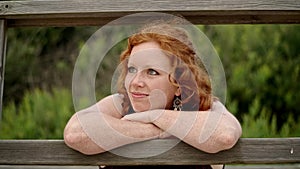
(177, 103)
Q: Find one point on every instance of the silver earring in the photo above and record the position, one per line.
(177, 103)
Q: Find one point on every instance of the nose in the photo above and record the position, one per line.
(138, 80)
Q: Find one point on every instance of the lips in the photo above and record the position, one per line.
(139, 94)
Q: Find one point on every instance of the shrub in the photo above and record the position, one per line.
(39, 115)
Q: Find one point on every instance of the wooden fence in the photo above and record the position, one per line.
(246, 151)
(44, 13)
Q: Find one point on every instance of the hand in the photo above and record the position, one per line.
(164, 134)
(148, 117)
(144, 117)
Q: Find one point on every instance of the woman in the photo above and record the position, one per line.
(162, 89)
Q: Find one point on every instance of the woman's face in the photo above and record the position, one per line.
(147, 80)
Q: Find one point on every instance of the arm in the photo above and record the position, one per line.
(210, 131)
(99, 128)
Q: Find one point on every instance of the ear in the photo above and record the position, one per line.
(178, 92)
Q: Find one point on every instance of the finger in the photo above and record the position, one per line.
(139, 117)
(164, 135)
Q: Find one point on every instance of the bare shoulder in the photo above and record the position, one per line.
(219, 107)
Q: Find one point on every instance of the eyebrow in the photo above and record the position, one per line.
(158, 66)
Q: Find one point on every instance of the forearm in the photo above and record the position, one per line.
(211, 131)
(207, 130)
(95, 132)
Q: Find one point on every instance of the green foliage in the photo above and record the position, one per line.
(262, 67)
(261, 62)
(261, 123)
(39, 115)
(41, 58)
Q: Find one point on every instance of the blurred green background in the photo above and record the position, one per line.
(261, 62)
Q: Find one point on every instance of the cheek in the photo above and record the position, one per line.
(165, 83)
(162, 96)
(168, 88)
(127, 82)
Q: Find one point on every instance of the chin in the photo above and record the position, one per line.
(142, 109)
(138, 109)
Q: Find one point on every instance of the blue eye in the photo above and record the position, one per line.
(152, 72)
(132, 69)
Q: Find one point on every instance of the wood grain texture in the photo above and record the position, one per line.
(2, 59)
(246, 151)
(95, 12)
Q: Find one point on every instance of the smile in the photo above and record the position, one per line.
(138, 95)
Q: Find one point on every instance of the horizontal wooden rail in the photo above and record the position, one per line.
(95, 12)
(246, 151)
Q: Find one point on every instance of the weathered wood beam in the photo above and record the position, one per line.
(246, 151)
(95, 12)
(2, 60)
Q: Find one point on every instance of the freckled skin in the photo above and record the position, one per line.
(147, 82)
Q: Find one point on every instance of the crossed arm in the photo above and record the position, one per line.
(102, 127)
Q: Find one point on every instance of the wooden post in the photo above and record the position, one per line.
(2, 60)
